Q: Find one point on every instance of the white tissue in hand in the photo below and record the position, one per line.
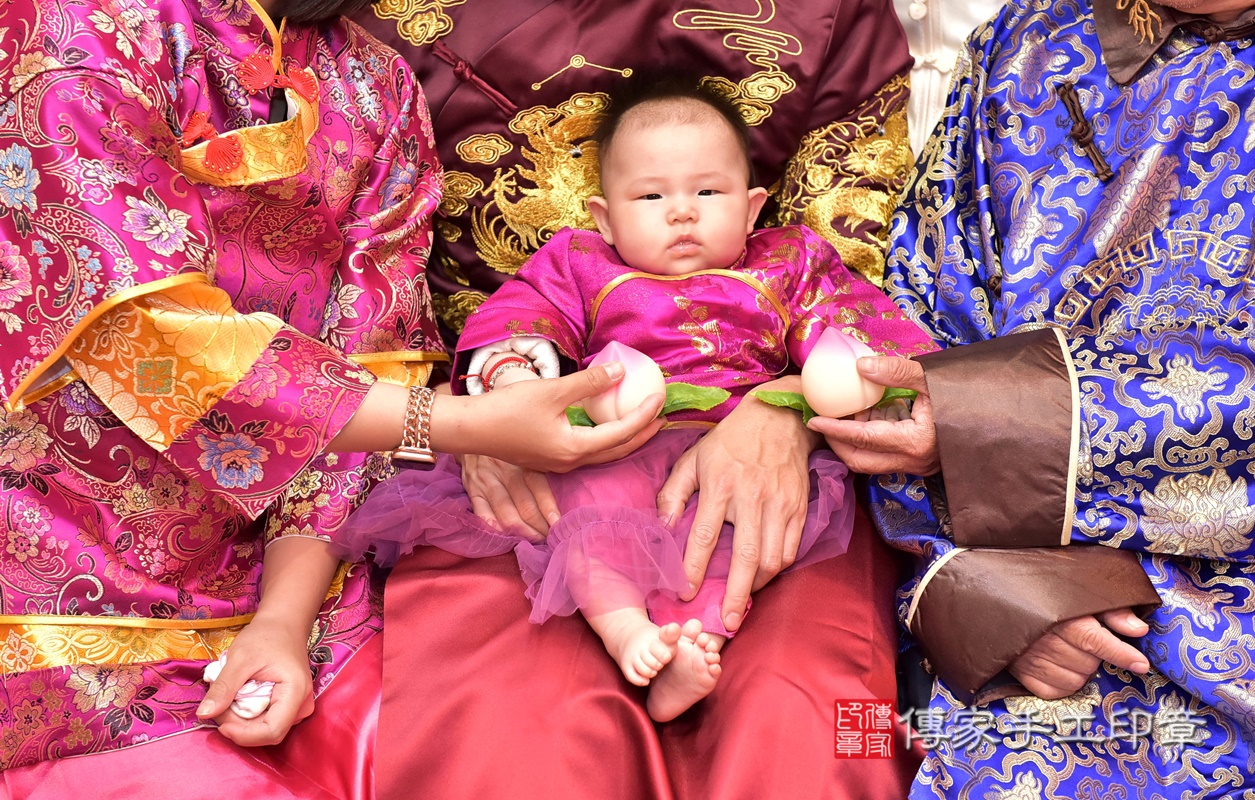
(831, 382)
(642, 377)
(252, 698)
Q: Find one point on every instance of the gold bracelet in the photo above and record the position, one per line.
(416, 441)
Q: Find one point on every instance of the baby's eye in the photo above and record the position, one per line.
(651, 196)
(707, 193)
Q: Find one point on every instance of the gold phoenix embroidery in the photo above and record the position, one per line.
(825, 179)
(525, 206)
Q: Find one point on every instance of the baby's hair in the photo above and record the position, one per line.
(669, 92)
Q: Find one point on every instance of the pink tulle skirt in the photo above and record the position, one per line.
(609, 550)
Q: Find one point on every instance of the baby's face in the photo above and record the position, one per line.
(676, 197)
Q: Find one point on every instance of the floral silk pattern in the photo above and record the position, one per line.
(1006, 227)
(177, 347)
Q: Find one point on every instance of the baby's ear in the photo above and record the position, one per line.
(757, 196)
(601, 215)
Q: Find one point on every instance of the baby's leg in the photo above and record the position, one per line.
(691, 675)
(615, 608)
(641, 648)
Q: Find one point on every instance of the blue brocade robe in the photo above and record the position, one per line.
(1126, 420)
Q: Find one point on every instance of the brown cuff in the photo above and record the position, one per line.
(1008, 421)
(981, 609)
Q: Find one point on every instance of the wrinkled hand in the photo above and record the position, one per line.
(753, 471)
(509, 498)
(1062, 661)
(875, 443)
(528, 426)
(264, 651)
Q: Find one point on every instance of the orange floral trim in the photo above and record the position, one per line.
(19, 398)
(403, 367)
(187, 347)
(44, 641)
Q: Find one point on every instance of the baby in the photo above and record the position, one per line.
(677, 273)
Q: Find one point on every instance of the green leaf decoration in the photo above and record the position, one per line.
(578, 417)
(680, 397)
(793, 400)
(687, 397)
(892, 394)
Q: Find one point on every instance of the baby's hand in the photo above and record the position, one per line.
(504, 369)
(540, 353)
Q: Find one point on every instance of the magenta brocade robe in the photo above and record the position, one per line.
(182, 331)
(731, 328)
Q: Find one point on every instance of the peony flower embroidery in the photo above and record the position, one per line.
(263, 380)
(100, 687)
(235, 12)
(15, 276)
(79, 401)
(132, 22)
(31, 516)
(163, 229)
(399, 184)
(235, 460)
(30, 65)
(22, 546)
(18, 178)
(23, 440)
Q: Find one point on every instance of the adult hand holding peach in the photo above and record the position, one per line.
(642, 379)
(896, 443)
(831, 382)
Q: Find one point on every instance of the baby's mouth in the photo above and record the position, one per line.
(685, 244)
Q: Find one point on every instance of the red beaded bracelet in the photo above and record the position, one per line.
(509, 362)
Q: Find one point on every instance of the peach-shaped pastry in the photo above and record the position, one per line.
(642, 377)
(830, 380)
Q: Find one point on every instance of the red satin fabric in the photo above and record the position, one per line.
(480, 703)
(327, 757)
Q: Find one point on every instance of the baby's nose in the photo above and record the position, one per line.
(683, 211)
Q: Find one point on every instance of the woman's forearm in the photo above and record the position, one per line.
(379, 423)
(295, 577)
(526, 425)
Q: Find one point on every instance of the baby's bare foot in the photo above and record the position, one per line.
(691, 675)
(639, 646)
